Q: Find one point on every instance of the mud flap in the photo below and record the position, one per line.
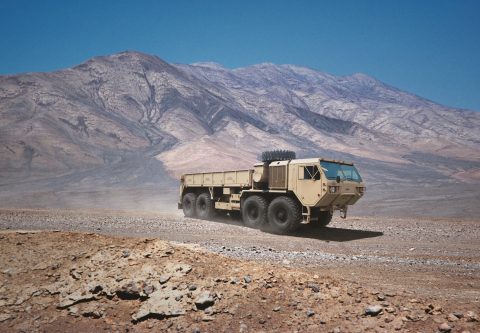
(343, 212)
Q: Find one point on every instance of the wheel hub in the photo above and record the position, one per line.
(282, 215)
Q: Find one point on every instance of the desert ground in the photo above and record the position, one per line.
(140, 271)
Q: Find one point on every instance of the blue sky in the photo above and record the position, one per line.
(429, 48)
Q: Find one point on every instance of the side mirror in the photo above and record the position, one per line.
(338, 179)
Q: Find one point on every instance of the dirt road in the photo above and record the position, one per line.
(432, 261)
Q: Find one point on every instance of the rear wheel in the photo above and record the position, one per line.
(254, 211)
(189, 201)
(284, 215)
(205, 207)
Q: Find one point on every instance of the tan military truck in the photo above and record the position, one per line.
(281, 190)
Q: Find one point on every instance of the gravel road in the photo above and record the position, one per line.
(425, 257)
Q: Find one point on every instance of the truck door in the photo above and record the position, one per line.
(308, 187)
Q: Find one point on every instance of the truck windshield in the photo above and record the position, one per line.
(346, 172)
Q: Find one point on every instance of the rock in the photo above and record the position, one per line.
(433, 309)
(162, 303)
(208, 318)
(247, 279)
(380, 298)
(126, 254)
(74, 298)
(148, 290)
(164, 279)
(129, 291)
(471, 316)
(41, 266)
(28, 309)
(204, 300)
(262, 321)
(445, 328)
(91, 311)
(315, 289)
(192, 287)
(373, 310)
(452, 318)
(19, 301)
(276, 309)
(310, 313)
(73, 310)
(4, 316)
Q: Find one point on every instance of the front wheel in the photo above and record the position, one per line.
(254, 211)
(189, 201)
(205, 207)
(284, 215)
(324, 218)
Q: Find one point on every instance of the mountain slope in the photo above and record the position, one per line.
(131, 122)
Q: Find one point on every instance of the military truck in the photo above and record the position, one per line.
(281, 190)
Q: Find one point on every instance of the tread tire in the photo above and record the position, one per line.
(254, 211)
(278, 155)
(324, 219)
(205, 207)
(284, 215)
(189, 202)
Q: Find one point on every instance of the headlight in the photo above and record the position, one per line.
(361, 190)
(333, 189)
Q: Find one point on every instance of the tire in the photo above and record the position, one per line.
(189, 202)
(205, 207)
(324, 219)
(278, 155)
(284, 215)
(254, 211)
(235, 214)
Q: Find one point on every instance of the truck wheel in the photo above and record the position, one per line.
(189, 202)
(205, 207)
(324, 218)
(284, 215)
(254, 211)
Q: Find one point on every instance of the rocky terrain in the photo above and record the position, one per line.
(361, 275)
(116, 132)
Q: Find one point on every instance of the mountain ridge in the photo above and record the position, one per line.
(133, 120)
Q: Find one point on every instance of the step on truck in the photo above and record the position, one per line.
(281, 191)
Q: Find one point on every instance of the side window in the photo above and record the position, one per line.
(301, 172)
(310, 172)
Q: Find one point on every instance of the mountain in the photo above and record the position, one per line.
(116, 132)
